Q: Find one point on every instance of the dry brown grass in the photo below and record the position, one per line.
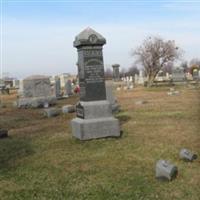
(41, 159)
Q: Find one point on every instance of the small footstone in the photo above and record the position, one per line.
(187, 155)
(68, 109)
(51, 112)
(3, 133)
(165, 170)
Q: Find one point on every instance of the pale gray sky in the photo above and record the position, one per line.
(38, 36)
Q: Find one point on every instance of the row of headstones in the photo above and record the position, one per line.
(177, 75)
(56, 89)
(36, 86)
(36, 91)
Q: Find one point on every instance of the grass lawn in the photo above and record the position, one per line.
(42, 161)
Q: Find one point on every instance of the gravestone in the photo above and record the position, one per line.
(195, 74)
(136, 78)
(141, 78)
(68, 88)
(178, 75)
(110, 96)
(20, 90)
(68, 109)
(16, 83)
(93, 113)
(167, 76)
(165, 170)
(51, 112)
(187, 155)
(57, 87)
(116, 75)
(35, 92)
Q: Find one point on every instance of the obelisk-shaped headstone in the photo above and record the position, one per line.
(94, 114)
(116, 75)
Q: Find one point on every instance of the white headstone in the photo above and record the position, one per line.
(141, 78)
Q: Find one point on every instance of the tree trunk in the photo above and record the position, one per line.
(150, 80)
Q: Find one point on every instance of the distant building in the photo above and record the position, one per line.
(8, 81)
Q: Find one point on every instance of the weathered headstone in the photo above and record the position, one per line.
(141, 78)
(110, 97)
(51, 112)
(68, 109)
(136, 78)
(165, 170)
(94, 115)
(116, 75)
(187, 155)
(68, 88)
(178, 75)
(167, 76)
(195, 74)
(16, 83)
(57, 87)
(35, 92)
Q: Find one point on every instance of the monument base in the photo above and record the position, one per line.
(86, 129)
(97, 121)
(35, 102)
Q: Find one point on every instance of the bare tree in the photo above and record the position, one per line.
(154, 54)
(123, 72)
(168, 67)
(132, 71)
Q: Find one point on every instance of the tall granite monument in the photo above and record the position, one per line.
(116, 75)
(93, 113)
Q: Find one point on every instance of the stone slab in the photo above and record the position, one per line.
(51, 112)
(86, 129)
(68, 109)
(95, 109)
(35, 102)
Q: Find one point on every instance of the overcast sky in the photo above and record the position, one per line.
(38, 35)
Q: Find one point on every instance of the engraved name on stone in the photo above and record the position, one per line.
(94, 74)
(80, 111)
(92, 53)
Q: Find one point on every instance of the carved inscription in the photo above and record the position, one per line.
(94, 74)
(80, 111)
(92, 53)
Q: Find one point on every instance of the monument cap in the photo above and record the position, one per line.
(89, 37)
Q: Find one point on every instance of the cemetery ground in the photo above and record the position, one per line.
(41, 159)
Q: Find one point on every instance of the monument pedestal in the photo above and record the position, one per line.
(95, 120)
